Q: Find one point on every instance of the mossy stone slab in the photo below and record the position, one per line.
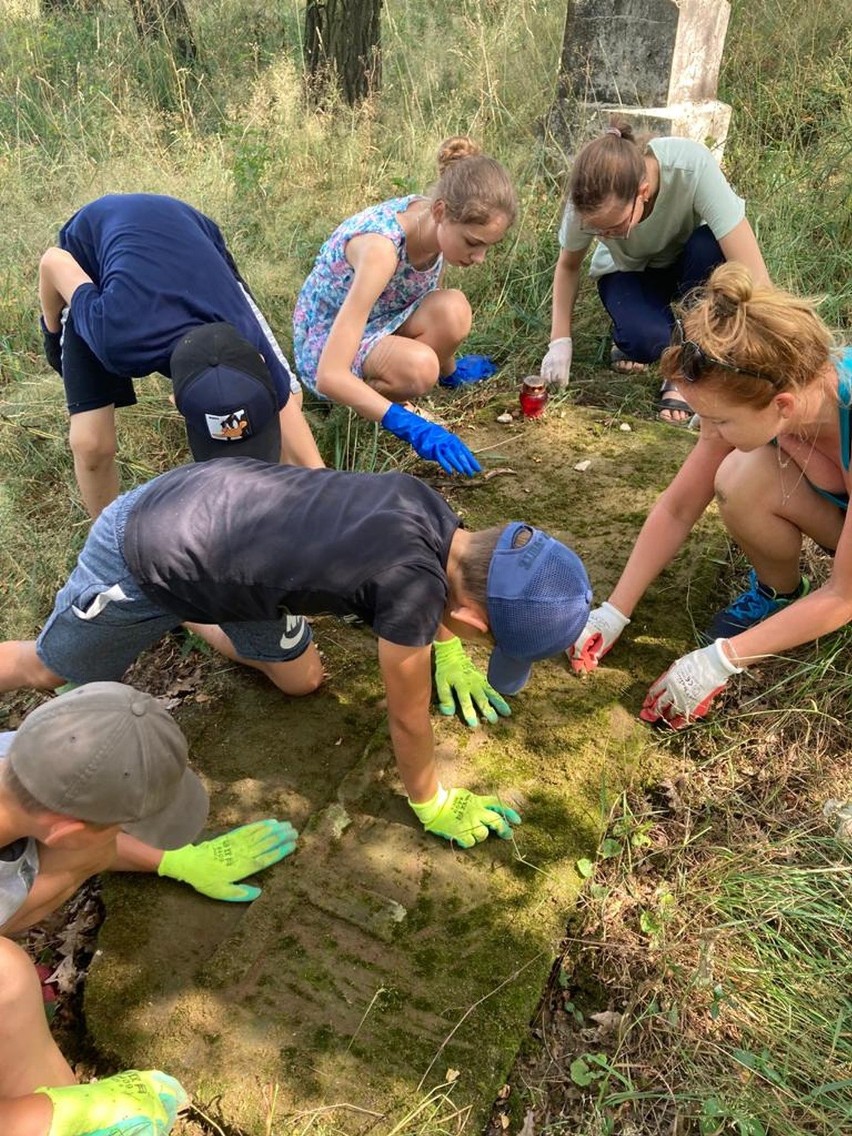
(377, 957)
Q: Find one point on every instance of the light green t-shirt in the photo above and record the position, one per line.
(692, 190)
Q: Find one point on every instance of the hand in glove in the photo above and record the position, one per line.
(431, 441)
(556, 365)
(127, 1104)
(469, 369)
(52, 341)
(688, 687)
(214, 866)
(454, 672)
(603, 628)
(465, 818)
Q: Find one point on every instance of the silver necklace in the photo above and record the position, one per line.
(786, 494)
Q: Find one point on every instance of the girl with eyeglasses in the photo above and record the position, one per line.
(774, 396)
(664, 216)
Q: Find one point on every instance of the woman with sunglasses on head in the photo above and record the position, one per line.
(664, 216)
(774, 397)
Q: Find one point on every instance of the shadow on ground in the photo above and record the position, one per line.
(378, 957)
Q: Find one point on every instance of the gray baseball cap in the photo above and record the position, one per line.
(108, 754)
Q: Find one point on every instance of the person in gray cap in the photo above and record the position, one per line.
(98, 779)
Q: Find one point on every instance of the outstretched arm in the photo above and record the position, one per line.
(374, 261)
(458, 815)
(59, 276)
(671, 520)
(741, 244)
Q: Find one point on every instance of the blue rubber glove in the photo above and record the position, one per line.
(470, 369)
(431, 441)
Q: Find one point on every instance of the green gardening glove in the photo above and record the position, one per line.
(464, 817)
(455, 672)
(212, 867)
(128, 1104)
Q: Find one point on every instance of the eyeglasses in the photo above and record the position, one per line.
(694, 360)
(619, 231)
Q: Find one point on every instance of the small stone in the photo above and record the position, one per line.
(582, 466)
(626, 427)
(505, 417)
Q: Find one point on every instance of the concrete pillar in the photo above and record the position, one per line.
(657, 61)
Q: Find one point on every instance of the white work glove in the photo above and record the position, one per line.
(556, 365)
(688, 687)
(603, 627)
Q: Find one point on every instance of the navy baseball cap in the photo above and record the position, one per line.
(225, 392)
(539, 598)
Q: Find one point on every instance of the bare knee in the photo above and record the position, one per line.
(736, 478)
(298, 678)
(19, 977)
(422, 373)
(456, 316)
(92, 451)
(21, 666)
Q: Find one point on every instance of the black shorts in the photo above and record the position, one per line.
(88, 384)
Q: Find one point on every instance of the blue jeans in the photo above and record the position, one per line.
(102, 620)
(639, 303)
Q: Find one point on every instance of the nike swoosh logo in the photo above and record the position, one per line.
(294, 629)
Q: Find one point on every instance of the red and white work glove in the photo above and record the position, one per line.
(687, 688)
(603, 628)
(556, 365)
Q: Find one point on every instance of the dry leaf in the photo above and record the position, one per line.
(608, 1020)
(452, 1075)
(529, 1124)
(504, 1092)
(66, 976)
(504, 1121)
(582, 466)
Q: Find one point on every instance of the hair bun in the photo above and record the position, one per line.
(453, 149)
(729, 286)
(619, 125)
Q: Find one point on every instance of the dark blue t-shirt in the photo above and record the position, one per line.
(160, 268)
(242, 540)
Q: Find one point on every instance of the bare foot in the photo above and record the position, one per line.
(672, 408)
(619, 363)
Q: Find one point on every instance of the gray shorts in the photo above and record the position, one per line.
(102, 620)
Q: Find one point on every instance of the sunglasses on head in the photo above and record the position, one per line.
(694, 360)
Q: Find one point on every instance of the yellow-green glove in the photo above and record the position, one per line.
(213, 867)
(464, 817)
(455, 672)
(128, 1104)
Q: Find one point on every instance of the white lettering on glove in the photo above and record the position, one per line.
(687, 688)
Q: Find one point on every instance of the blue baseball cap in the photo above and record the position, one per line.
(539, 598)
(226, 394)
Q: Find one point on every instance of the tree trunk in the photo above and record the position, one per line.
(343, 42)
(166, 20)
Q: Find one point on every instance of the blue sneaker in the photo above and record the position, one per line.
(755, 604)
